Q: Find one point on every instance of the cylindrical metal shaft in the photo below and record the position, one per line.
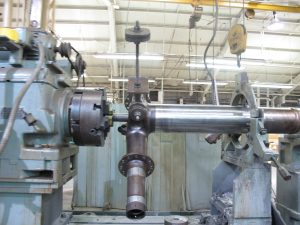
(199, 118)
(120, 117)
(7, 13)
(220, 119)
(285, 121)
(217, 119)
(136, 144)
(136, 206)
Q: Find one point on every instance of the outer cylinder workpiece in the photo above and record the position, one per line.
(136, 164)
(136, 205)
(199, 118)
(285, 121)
(217, 119)
(220, 119)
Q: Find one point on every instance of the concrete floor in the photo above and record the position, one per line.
(92, 218)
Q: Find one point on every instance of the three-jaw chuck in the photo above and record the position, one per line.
(89, 117)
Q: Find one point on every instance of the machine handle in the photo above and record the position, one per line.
(284, 173)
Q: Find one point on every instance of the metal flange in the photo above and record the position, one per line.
(123, 164)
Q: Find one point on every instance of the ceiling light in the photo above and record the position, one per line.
(248, 62)
(233, 62)
(169, 78)
(85, 76)
(101, 77)
(129, 56)
(275, 23)
(219, 83)
(115, 6)
(126, 80)
(215, 66)
(275, 86)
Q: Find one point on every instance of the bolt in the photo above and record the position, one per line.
(263, 131)
(137, 115)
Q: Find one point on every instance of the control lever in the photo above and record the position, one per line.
(123, 129)
(212, 138)
(284, 173)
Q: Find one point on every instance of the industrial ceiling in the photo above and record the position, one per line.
(97, 27)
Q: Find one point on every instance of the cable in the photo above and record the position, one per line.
(215, 97)
(14, 110)
(190, 49)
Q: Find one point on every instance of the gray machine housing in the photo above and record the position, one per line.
(288, 192)
(40, 155)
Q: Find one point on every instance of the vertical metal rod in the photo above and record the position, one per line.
(7, 13)
(137, 66)
(268, 97)
(27, 8)
(44, 16)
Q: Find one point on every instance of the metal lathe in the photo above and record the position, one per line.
(43, 119)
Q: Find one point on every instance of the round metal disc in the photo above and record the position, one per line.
(176, 220)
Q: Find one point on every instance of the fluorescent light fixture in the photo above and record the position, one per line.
(102, 77)
(232, 62)
(129, 56)
(169, 78)
(126, 80)
(118, 79)
(246, 62)
(274, 86)
(275, 23)
(116, 6)
(85, 76)
(200, 82)
(215, 66)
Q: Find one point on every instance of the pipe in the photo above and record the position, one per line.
(120, 117)
(285, 121)
(7, 13)
(113, 37)
(216, 119)
(136, 143)
(44, 19)
(136, 165)
(219, 119)
(199, 118)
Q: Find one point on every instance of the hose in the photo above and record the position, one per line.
(13, 113)
(215, 97)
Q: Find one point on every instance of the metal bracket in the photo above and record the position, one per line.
(257, 140)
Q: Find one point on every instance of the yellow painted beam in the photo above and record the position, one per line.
(222, 3)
